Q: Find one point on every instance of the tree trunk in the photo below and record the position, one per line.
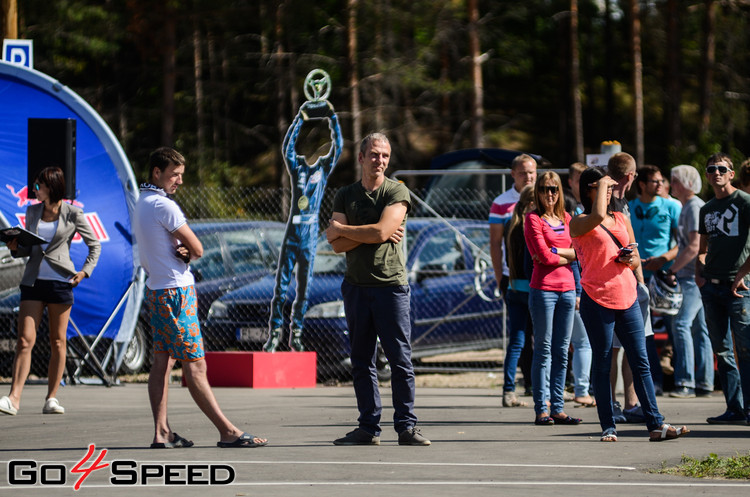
(575, 85)
(673, 97)
(281, 121)
(635, 31)
(169, 77)
(709, 62)
(354, 82)
(200, 115)
(8, 19)
(477, 101)
(214, 84)
(609, 92)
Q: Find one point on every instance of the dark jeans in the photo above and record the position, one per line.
(601, 324)
(372, 313)
(728, 321)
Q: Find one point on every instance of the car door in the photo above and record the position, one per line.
(448, 314)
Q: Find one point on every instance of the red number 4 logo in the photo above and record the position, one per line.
(85, 472)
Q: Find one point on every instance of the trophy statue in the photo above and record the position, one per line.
(308, 182)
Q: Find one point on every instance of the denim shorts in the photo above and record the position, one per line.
(49, 292)
(174, 321)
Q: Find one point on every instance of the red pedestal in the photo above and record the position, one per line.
(261, 369)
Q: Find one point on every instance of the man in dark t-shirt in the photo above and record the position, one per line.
(368, 224)
(720, 268)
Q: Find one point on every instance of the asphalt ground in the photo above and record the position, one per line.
(479, 448)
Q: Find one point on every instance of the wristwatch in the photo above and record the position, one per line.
(553, 250)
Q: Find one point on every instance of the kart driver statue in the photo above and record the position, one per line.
(308, 183)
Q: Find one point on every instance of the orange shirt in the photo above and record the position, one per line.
(609, 283)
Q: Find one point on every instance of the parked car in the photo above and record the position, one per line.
(11, 269)
(234, 254)
(452, 307)
(470, 195)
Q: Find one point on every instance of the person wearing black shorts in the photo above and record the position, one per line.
(48, 281)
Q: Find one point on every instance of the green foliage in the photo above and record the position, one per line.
(414, 76)
(712, 466)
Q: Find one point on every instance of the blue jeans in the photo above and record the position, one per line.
(552, 315)
(518, 314)
(728, 321)
(601, 325)
(693, 359)
(372, 313)
(581, 364)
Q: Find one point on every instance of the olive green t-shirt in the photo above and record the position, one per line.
(373, 264)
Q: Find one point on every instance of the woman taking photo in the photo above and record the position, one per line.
(48, 281)
(552, 297)
(604, 242)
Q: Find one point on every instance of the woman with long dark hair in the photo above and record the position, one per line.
(606, 248)
(48, 281)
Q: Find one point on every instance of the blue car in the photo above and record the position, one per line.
(453, 306)
(234, 254)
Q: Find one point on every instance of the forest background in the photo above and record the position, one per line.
(221, 80)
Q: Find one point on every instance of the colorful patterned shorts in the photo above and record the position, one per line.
(174, 321)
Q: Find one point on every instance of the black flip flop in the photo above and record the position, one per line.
(567, 420)
(544, 421)
(244, 441)
(177, 443)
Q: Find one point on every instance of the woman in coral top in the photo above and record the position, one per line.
(552, 297)
(609, 302)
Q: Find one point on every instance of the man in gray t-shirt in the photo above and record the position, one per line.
(693, 359)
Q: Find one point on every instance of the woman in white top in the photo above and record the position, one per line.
(48, 281)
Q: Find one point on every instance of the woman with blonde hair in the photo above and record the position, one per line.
(552, 297)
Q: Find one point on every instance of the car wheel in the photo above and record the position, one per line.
(136, 357)
(382, 366)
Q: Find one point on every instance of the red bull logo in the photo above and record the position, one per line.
(22, 195)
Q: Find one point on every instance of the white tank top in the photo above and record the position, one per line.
(47, 230)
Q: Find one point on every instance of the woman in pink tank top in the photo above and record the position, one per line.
(609, 302)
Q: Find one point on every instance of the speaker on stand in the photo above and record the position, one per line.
(52, 142)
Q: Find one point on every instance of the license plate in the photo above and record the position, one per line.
(249, 334)
(7, 345)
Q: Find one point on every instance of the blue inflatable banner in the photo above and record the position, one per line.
(106, 304)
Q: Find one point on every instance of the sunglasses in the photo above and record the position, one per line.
(36, 186)
(650, 212)
(548, 189)
(713, 168)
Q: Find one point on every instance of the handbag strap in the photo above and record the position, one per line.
(614, 238)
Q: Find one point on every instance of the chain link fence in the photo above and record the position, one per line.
(457, 319)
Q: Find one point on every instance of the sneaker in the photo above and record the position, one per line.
(412, 436)
(634, 415)
(728, 418)
(295, 340)
(274, 338)
(700, 392)
(6, 406)
(617, 414)
(683, 393)
(358, 437)
(52, 406)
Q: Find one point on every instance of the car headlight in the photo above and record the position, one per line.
(218, 310)
(334, 309)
